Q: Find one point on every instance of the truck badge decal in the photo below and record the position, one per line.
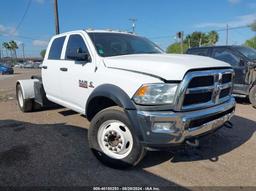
(85, 84)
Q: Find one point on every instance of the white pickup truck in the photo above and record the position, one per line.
(136, 97)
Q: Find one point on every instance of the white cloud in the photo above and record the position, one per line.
(7, 30)
(242, 20)
(40, 43)
(234, 1)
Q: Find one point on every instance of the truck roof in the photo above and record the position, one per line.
(106, 31)
(94, 31)
(219, 46)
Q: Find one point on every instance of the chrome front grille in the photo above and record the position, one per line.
(201, 89)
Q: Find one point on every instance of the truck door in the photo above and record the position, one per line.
(76, 76)
(227, 55)
(50, 69)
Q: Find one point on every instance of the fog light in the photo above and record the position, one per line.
(164, 127)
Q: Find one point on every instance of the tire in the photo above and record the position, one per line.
(252, 96)
(113, 141)
(24, 105)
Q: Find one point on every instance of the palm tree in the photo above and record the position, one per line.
(213, 37)
(7, 47)
(13, 45)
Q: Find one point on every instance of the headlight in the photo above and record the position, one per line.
(155, 94)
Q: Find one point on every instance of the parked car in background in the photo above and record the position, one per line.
(243, 61)
(28, 65)
(4, 69)
(36, 65)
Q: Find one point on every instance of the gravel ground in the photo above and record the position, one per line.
(50, 148)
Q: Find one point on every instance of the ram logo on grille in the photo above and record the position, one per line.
(201, 89)
(217, 88)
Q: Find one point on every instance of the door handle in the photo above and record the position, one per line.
(44, 67)
(63, 69)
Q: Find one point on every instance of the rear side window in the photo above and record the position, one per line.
(56, 48)
(75, 43)
(199, 51)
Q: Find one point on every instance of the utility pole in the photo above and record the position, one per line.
(56, 14)
(0, 51)
(133, 20)
(23, 52)
(181, 43)
(180, 36)
(227, 31)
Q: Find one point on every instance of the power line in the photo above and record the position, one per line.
(217, 30)
(23, 17)
(161, 37)
(233, 28)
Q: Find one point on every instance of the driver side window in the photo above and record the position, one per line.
(75, 44)
(226, 56)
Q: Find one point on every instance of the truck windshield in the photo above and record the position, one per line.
(247, 52)
(116, 44)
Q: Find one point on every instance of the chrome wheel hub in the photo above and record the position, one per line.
(115, 139)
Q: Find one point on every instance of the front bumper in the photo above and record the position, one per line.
(187, 124)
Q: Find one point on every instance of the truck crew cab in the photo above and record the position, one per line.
(243, 61)
(136, 97)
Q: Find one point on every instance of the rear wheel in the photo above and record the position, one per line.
(113, 141)
(25, 105)
(252, 96)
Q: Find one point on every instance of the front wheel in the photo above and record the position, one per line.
(113, 141)
(252, 96)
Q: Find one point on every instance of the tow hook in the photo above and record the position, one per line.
(192, 143)
(228, 125)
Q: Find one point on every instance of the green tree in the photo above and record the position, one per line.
(213, 38)
(196, 39)
(42, 53)
(251, 42)
(13, 46)
(7, 47)
(176, 48)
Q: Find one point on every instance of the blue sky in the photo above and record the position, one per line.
(159, 20)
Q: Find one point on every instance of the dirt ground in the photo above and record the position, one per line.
(50, 148)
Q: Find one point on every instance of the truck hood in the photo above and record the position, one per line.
(165, 66)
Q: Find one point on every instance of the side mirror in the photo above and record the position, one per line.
(79, 55)
(242, 62)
